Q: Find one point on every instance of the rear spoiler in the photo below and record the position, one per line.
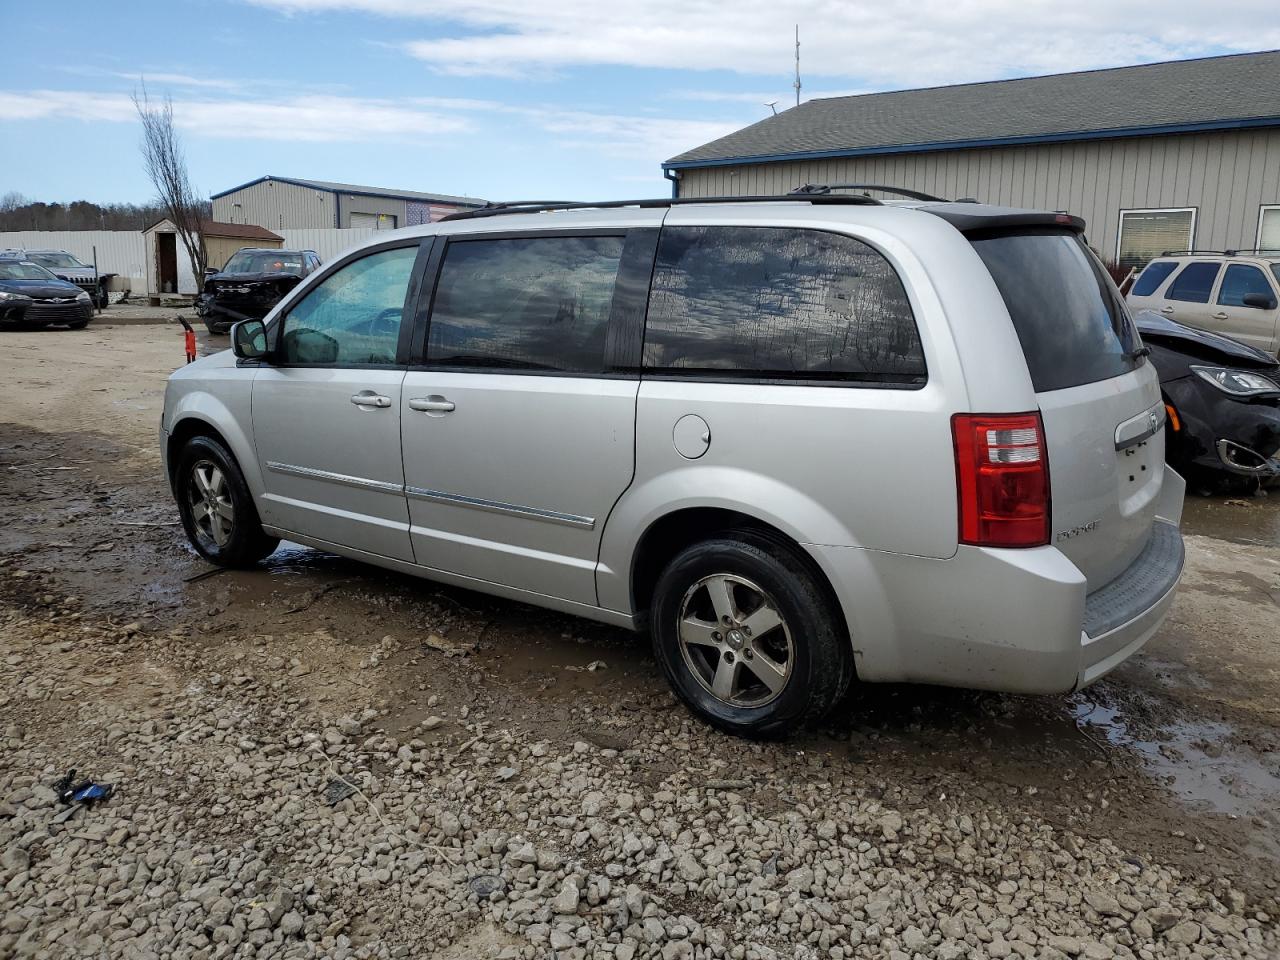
(971, 218)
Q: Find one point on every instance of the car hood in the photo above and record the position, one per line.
(40, 289)
(1211, 347)
(245, 278)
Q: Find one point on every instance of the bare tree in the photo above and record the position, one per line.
(166, 164)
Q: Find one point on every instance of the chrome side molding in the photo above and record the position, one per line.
(497, 506)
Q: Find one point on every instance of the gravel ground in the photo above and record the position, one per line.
(478, 838)
(520, 784)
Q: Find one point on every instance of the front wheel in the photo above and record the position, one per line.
(749, 637)
(217, 508)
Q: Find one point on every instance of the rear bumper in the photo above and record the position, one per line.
(1018, 621)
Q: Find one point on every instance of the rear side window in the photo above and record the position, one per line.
(1194, 283)
(1070, 321)
(776, 303)
(1152, 277)
(534, 303)
(1241, 280)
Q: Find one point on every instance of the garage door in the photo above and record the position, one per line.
(373, 221)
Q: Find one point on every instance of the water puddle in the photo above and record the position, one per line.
(1200, 761)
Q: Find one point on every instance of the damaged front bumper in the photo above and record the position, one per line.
(1238, 458)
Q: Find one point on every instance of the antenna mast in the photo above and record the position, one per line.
(797, 83)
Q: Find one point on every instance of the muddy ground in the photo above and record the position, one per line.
(1173, 762)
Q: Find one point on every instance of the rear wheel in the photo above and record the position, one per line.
(217, 508)
(748, 636)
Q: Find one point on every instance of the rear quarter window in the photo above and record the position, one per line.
(1152, 277)
(778, 304)
(1069, 317)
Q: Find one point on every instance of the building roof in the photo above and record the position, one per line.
(353, 189)
(1231, 92)
(237, 231)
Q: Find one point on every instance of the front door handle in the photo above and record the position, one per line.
(1220, 316)
(431, 404)
(367, 398)
(1166, 309)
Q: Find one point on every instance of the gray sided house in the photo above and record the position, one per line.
(1164, 156)
(286, 203)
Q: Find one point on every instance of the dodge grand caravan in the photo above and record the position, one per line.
(798, 439)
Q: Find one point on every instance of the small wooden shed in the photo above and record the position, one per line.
(169, 267)
(221, 240)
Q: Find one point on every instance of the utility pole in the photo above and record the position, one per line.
(797, 83)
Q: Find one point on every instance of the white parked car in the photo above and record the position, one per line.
(1236, 293)
(798, 439)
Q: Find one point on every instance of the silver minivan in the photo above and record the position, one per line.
(798, 439)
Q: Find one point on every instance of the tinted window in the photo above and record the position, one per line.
(778, 303)
(1239, 280)
(1068, 314)
(1152, 277)
(1194, 283)
(537, 303)
(353, 316)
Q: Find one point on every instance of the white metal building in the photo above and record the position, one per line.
(284, 203)
(1155, 157)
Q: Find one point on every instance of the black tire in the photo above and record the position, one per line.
(213, 328)
(79, 324)
(816, 640)
(238, 541)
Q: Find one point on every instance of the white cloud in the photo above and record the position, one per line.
(891, 44)
(316, 119)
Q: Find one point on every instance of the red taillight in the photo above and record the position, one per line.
(1002, 476)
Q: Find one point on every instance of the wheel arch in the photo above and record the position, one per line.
(672, 532)
(188, 424)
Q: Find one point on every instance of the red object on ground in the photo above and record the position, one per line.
(190, 337)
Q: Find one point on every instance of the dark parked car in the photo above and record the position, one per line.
(30, 294)
(1223, 403)
(253, 281)
(65, 266)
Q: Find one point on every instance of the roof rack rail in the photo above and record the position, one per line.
(823, 189)
(547, 206)
(1233, 252)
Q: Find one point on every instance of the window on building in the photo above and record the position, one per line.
(777, 303)
(1194, 283)
(1239, 281)
(1269, 228)
(1152, 277)
(1145, 234)
(538, 303)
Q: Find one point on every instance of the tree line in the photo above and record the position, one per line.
(19, 213)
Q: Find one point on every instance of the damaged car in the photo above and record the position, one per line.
(1222, 398)
(253, 281)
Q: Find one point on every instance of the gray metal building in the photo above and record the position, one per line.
(1156, 157)
(280, 203)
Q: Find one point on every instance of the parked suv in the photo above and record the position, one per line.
(799, 439)
(1233, 292)
(251, 282)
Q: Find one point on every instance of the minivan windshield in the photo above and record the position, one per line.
(1072, 324)
(264, 261)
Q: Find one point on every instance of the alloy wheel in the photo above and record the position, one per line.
(209, 497)
(735, 641)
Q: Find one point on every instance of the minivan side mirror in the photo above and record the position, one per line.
(1259, 301)
(249, 340)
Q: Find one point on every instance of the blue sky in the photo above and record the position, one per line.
(569, 99)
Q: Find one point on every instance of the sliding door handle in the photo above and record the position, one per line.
(431, 404)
